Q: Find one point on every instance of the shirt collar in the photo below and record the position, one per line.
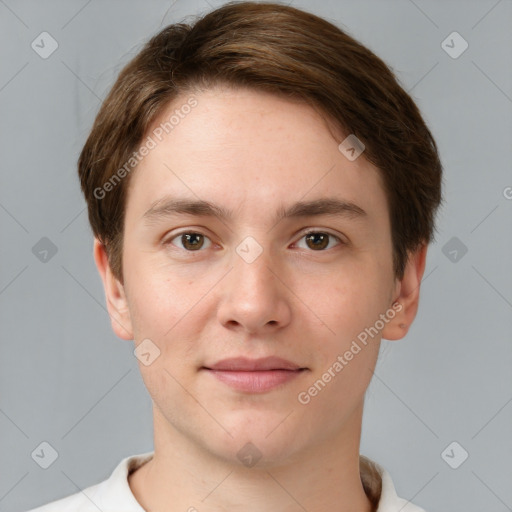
(115, 493)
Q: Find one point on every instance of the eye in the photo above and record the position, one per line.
(191, 241)
(319, 240)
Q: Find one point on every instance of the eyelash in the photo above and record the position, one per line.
(305, 234)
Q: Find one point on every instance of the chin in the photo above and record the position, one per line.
(264, 441)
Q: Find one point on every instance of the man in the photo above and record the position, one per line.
(262, 193)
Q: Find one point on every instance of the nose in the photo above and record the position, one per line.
(254, 296)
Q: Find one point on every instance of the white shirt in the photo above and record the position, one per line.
(114, 493)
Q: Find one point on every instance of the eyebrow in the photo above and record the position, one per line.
(167, 207)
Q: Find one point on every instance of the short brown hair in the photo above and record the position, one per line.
(286, 51)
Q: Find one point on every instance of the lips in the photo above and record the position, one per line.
(254, 375)
(243, 364)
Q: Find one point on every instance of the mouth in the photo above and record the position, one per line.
(254, 365)
(255, 375)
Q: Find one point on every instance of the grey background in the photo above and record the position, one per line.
(67, 380)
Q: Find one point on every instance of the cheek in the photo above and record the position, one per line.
(157, 299)
(348, 301)
(172, 311)
(164, 317)
(347, 351)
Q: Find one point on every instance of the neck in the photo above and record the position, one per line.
(181, 476)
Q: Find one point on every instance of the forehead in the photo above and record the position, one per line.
(251, 150)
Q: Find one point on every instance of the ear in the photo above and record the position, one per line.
(117, 304)
(407, 296)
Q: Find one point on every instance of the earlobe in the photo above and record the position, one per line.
(407, 296)
(117, 304)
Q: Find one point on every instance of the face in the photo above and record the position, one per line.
(288, 256)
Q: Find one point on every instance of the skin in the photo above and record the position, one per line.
(253, 152)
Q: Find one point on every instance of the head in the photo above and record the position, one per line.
(246, 110)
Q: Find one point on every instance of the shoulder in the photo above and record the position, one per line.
(380, 489)
(83, 501)
(107, 496)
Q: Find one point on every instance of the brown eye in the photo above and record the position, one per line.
(319, 240)
(190, 241)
